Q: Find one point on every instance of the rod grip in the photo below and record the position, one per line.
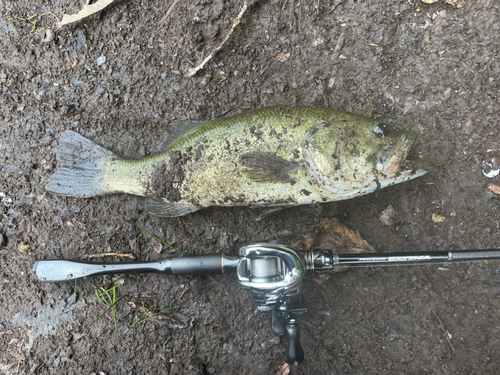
(208, 264)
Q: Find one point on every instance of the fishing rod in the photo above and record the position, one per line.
(270, 271)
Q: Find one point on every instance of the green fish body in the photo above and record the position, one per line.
(265, 157)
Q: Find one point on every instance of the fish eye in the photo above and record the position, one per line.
(381, 130)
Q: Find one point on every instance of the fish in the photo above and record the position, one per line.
(268, 157)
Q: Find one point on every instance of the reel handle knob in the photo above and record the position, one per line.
(295, 353)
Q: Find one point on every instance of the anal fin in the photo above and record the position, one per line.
(163, 208)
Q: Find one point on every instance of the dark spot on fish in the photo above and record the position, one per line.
(378, 184)
(336, 179)
(295, 154)
(305, 192)
(298, 122)
(326, 123)
(285, 130)
(198, 152)
(272, 132)
(372, 158)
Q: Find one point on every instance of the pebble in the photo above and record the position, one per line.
(159, 97)
(117, 16)
(117, 92)
(389, 216)
(101, 60)
(48, 36)
(40, 93)
(142, 150)
(77, 82)
(377, 39)
(99, 90)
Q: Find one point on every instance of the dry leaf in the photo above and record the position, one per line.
(5, 367)
(157, 247)
(283, 57)
(430, 1)
(333, 235)
(284, 369)
(78, 336)
(494, 188)
(438, 218)
(22, 247)
(457, 3)
(86, 12)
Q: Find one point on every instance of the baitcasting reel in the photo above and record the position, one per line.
(271, 272)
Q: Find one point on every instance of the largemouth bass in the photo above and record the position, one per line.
(265, 157)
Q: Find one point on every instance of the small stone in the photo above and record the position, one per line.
(117, 16)
(40, 93)
(77, 82)
(117, 75)
(159, 97)
(377, 39)
(476, 159)
(117, 92)
(49, 36)
(389, 216)
(101, 60)
(458, 125)
(438, 218)
(99, 90)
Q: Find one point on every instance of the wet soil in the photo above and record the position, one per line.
(432, 69)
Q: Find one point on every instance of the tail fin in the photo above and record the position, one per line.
(80, 161)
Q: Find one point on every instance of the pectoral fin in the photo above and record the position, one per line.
(163, 208)
(263, 167)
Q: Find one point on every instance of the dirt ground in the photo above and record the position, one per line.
(432, 69)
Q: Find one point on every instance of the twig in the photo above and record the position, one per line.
(169, 10)
(102, 255)
(236, 22)
(446, 333)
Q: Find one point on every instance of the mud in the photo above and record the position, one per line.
(165, 179)
(432, 69)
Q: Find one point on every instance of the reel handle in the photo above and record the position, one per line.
(295, 353)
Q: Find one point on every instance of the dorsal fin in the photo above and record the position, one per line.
(176, 129)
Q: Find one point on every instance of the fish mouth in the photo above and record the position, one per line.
(393, 158)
